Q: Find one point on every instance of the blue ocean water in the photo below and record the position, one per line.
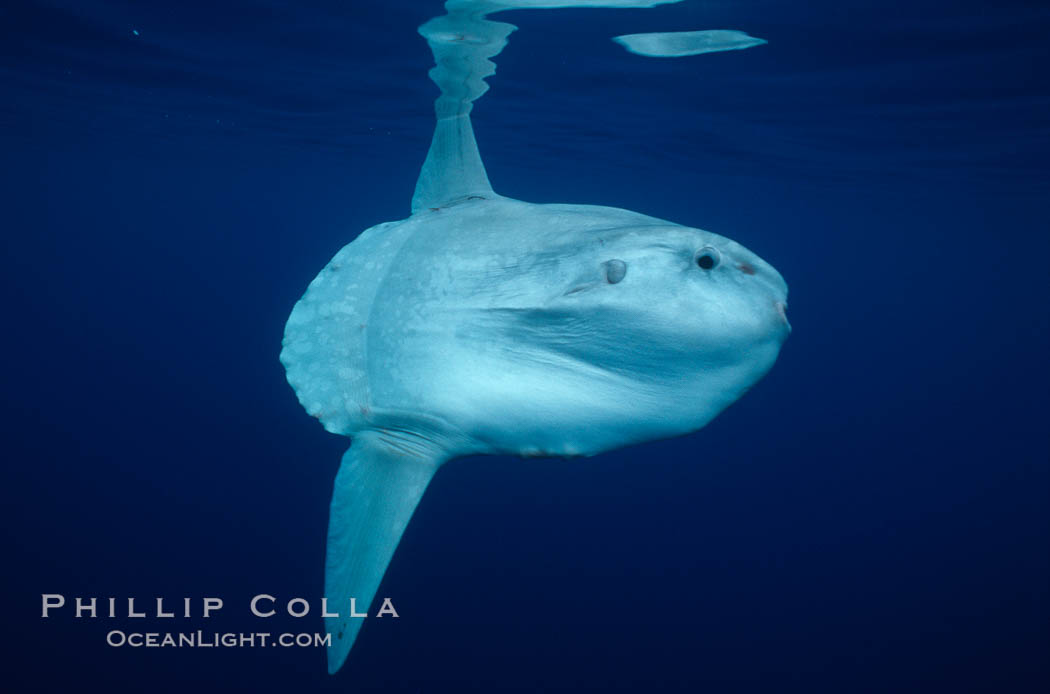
(872, 517)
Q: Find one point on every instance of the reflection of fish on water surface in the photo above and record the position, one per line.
(483, 324)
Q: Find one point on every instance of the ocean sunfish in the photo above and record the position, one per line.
(486, 325)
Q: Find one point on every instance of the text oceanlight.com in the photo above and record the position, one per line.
(200, 639)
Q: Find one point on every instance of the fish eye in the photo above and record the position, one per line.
(708, 258)
(615, 270)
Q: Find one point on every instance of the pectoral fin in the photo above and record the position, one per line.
(379, 484)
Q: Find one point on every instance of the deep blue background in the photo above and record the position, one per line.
(873, 517)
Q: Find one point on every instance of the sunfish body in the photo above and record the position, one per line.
(486, 325)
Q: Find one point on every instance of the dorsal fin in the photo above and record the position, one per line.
(463, 41)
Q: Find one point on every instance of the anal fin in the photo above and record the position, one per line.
(379, 484)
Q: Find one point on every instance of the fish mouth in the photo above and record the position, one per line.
(781, 310)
